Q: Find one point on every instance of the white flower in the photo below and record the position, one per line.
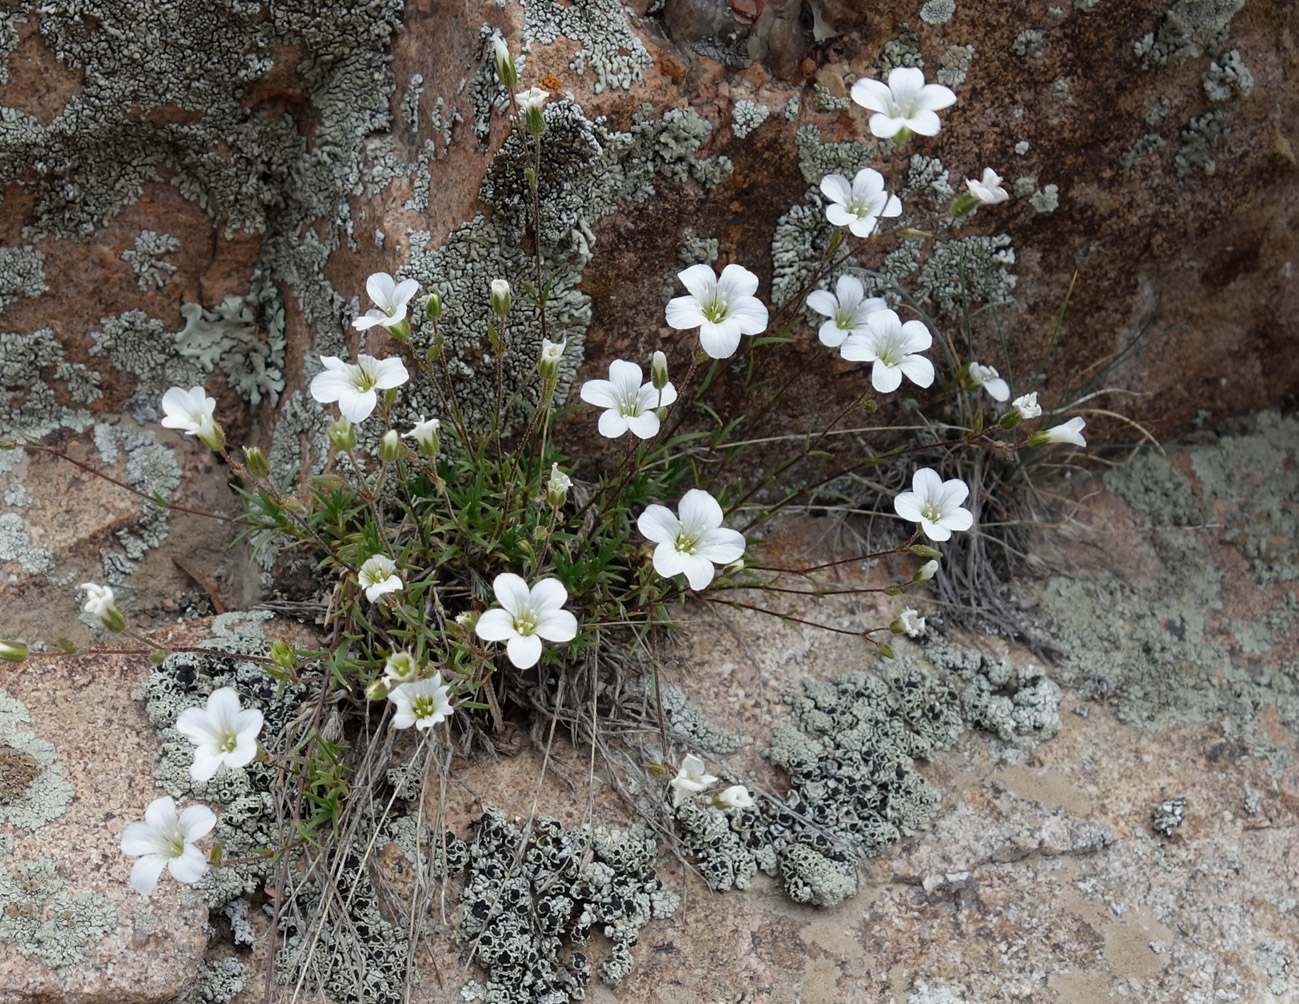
(690, 779)
(722, 309)
(532, 98)
(425, 434)
(630, 403)
(165, 840)
(354, 385)
(693, 543)
(190, 411)
(1027, 406)
(223, 732)
(905, 102)
(1070, 432)
(990, 380)
(735, 797)
(859, 205)
(422, 703)
(390, 299)
(99, 600)
(847, 309)
(988, 191)
(935, 504)
(557, 487)
(911, 622)
(399, 668)
(926, 571)
(378, 576)
(892, 346)
(552, 352)
(526, 616)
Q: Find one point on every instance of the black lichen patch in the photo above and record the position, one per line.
(530, 898)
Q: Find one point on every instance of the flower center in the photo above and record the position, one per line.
(175, 846)
(686, 542)
(525, 622)
(363, 379)
(423, 707)
(227, 743)
(889, 352)
(629, 404)
(716, 308)
(932, 511)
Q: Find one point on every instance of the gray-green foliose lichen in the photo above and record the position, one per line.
(1203, 138)
(937, 11)
(1147, 639)
(147, 261)
(1189, 29)
(530, 900)
(42, 918)
(22, 274)
(954, 65)
(1227, 77)
(33, 790)
(607, 45)
(218, 981)
(151, 468)
(1029, 43)
(228, 335)
(746, 116)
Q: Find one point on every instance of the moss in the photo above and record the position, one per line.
(1189, 29)
(43, 919)
(1202, 138)
(33, 790)
(146, 259)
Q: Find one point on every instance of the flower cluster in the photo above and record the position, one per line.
(692, 779)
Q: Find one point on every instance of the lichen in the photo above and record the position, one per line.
(1146, 145)
(17, 545)
(1046, 199)
(218, 981)
(1227, 77)
(904, 50)
(746, 116)
(146, 259)
(954, 65)
(1189, 29)
(42, 918)
(606, 43)
(937, 11)
(1202, 138)
(22, 274)
(33, 790)
(151, 468)
(1029, 43)
(228, 335)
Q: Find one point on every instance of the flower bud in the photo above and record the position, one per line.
(892, 590)
(557, 487)
(258, 466)
(505, 70)
(342, 435)
(534, 121)
(551, 354)
(399, 331)
(735, 797)
(157, 656)
(13, 651)
(500, 297)
(433, 306)
(924, 551)
(8, 444)
(1010, 419)
(390, 448)
(963, 205)
(658, 770)
(659, 370)
(377, 690)
(926, 571)
(282, 654)
(887, 651)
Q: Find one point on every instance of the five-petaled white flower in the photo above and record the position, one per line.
(690, 779)
(355, 385)
(988, 190)
(891, 347)
(165, 840)
(532, 98)
(378, 575)
(630, 403)
(190, 411)
(860, 204)
(906, 102)
(721, 308)
(422, 703)
(990, 380)
(1027, 406)
(935, 504)
(735, 797)
(693, 543)
(390, 300)
(847, 309)
(223, 732)
(911, 623)
(526, 616)
(399, 668)
(1070, 432)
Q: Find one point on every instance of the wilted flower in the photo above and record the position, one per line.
(693, 543)
(859, 205)
(223, 732)
(165, 840)
(390, 299)
(190, 411)
(690, 780)
(1070, 432)
(905, 105)
(990, 380)
(354, 385)
(101, 604)
(551, 354)
(630, 404)
(935, 504)
(1027, 406)
(532, 98)
(891, 347)
(847, 309)
(526, 616)
(378, 576)
(422, 703)
(721, 308)
(735, 797)
(910, 623)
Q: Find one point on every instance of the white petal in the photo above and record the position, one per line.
(858, 348)
(924, 123)
(223, 706)
(380, 289)
(613, 424)
(684, 312)
(722, 545)
(872, 94)
(524, 652)
(190, 866)
(196, 822)
(356, 406)
(849, 290)
(668, 561)
(885, 379)
(738, 281)
(958, 519)
(863, 226)
(953, 492)
(892, 208)
(196, 725)
(699, 511)
(600, 393)
(405, 290)
(831, 335)
(839, 216)
(750, 313)
(512, 593)
(835, 187)
(927, 484)
(700, 280)
(626, 379)
(145, 873)
(885, 126)
(917, 369)
(719, 340)
(161, 814)
(915, 337)
(823, 302)
(658, 524)
(867, 183)
(495, 625)
(905, 82)
(141, 838)
(557, 625)
(643, 426)
(998, 388)
(389, 373)
(547, 595)
(935, 531)
(329, 385)
(936, 97)
(908, 506)
(206, 763)
(699, 571)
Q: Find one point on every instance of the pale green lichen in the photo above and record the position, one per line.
(33, 790)
(1227, 77)
(228, 335)
(1046, 199)
(42, 918)
(904, 50)
(954, 65)
(151, 468)
(145, 257)
(218, 981)
(10, 19)
(1147, 145)
(606, 43)
(937, 11)
(1029, 43)
(1203, 137)
(746, 116)
(1189, 29)
(22, 274)
(16, 545)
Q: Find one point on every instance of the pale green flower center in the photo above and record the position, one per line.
(932, 511)
(175, 846)
(686, 542)
(424, 706)
(363, 380)
(525, 622)
(227, 743)
(716, 308)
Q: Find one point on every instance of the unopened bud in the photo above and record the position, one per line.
(1011, 419)
(433, 306)
(399, 331)
(924, 551)
(505, 70)
(500, 297)
(157, 656)
(551, 354)
(113, 619)
(342, 435)
(963, 205)
(659, 370)
(557, 487)
(258, 466)
(926, 571)
(8, 444)
(892, 590)
(658, 770)
(282, 653)
(887, 651)
(377, 690)
(390, 448)
(12, 651)
(468, 620)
